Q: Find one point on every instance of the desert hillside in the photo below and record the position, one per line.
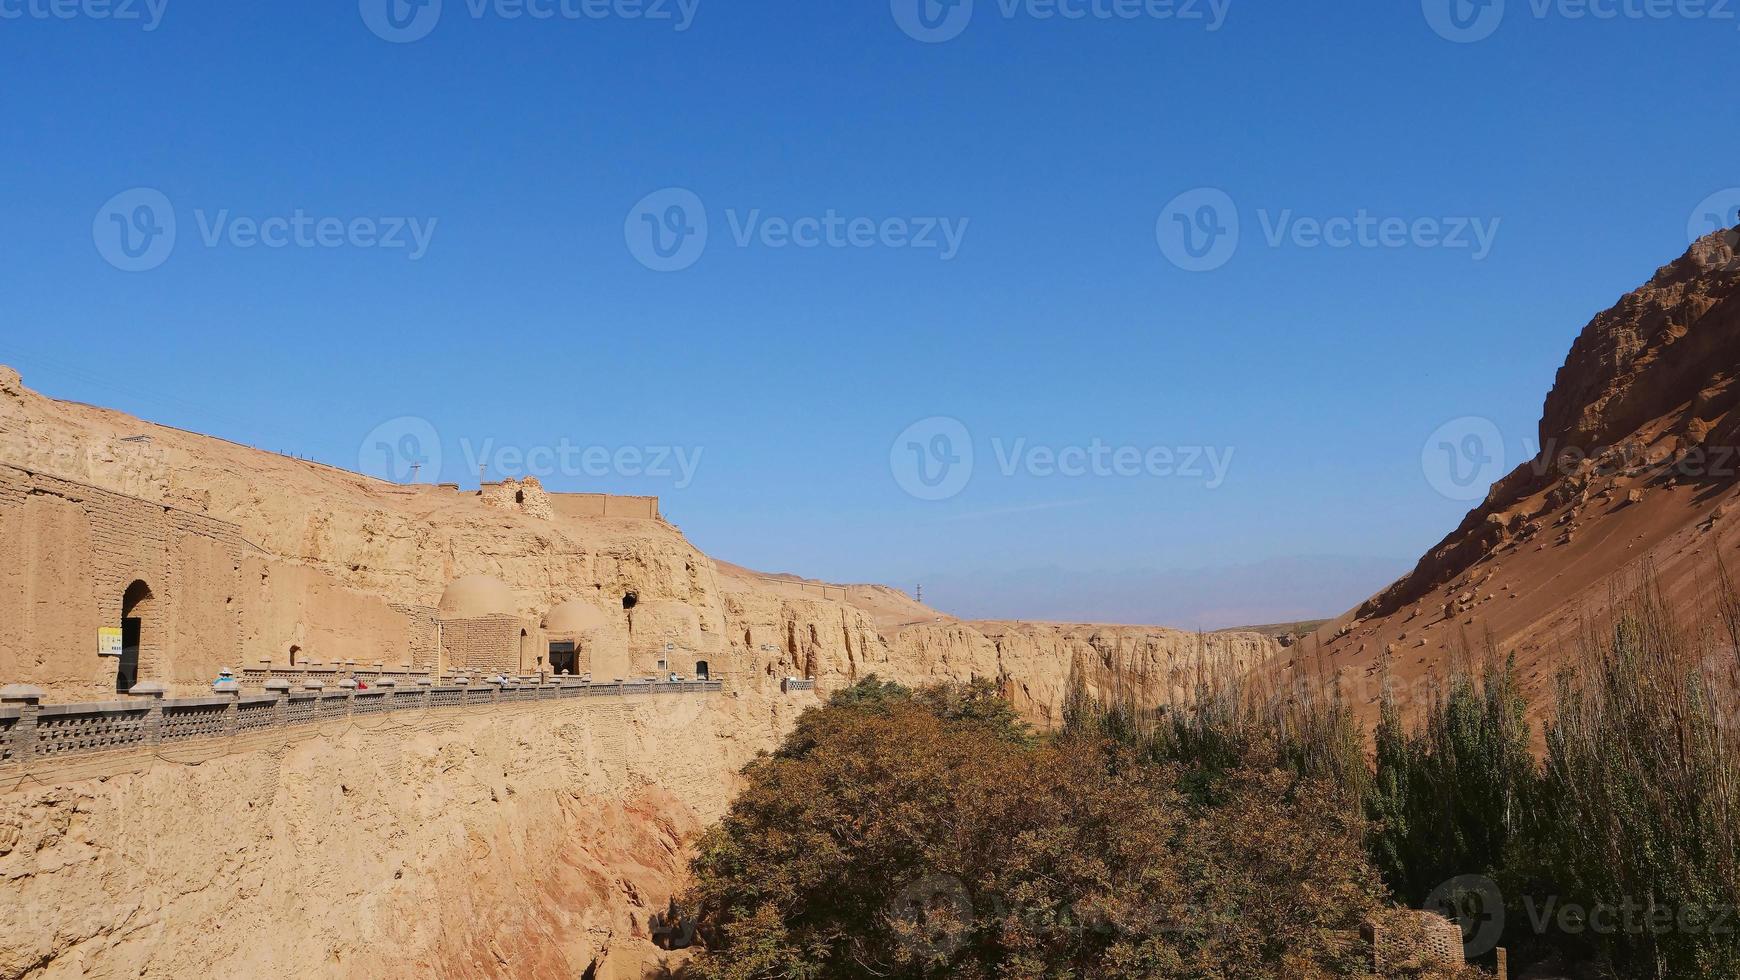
(405, 543)
(536, 841)
(1636, 477)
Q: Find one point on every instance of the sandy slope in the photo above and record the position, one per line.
(1637, 473)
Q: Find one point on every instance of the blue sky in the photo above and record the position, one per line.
(479, 269)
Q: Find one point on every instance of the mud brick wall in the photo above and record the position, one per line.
(489, 643)
(605, 505)
(420, 633)
(69, 554)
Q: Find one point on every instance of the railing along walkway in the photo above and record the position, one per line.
(31, 731)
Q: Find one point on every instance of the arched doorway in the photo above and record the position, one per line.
(564, 657)
(701, 671)
(135, 609)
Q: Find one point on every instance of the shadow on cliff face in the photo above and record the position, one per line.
(574, 899)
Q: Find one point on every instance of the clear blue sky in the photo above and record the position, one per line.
(1059, 320)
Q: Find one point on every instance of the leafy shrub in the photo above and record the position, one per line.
(913, 834)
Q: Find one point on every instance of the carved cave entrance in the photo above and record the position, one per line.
(135, 605)
(701, 672)
(564, 659)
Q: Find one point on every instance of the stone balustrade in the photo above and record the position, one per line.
(32, 732)
(332, 674)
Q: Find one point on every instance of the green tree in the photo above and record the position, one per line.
(910, 835)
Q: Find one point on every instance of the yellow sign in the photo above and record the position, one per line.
(108, 642)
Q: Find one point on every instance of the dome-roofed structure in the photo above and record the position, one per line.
(476, 596)
(574, 616)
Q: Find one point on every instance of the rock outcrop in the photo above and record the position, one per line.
(1637, 467)
(535, 842)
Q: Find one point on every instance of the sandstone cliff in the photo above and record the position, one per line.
(528, 844)
(532, 842)
(405, 543)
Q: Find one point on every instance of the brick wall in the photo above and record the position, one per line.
(69, 552)
(604, 505)
(489, 643)
(73, 552)
(420, 633)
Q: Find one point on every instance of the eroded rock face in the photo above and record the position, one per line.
(531, 844)
(535, 842)
(1638, 441)
(1648, 380)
